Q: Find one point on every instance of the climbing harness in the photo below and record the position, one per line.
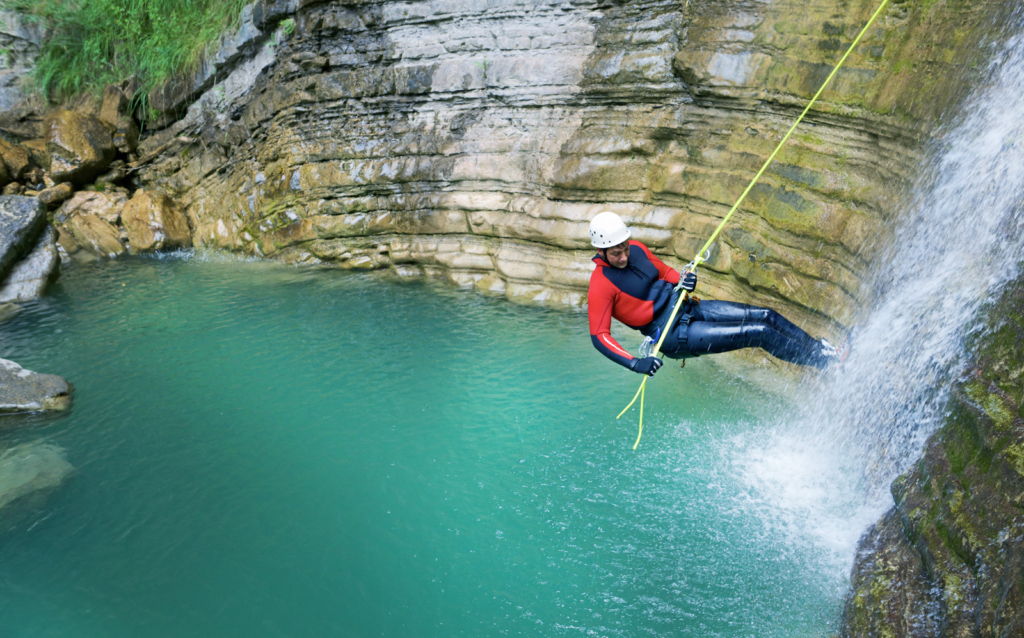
(704, 253)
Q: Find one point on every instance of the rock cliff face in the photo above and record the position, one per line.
(20, 40)
(949, 559)
(475, 140)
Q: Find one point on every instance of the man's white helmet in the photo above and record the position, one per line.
(607, 230)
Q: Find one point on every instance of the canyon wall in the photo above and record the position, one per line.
(475, 140)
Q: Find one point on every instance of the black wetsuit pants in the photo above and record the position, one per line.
(710, 327)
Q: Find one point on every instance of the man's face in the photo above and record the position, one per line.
(617, 256)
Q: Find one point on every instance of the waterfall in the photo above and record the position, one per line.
(824, 472)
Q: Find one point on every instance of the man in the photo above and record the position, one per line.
(635, 287)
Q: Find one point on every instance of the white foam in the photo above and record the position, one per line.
(822, 476)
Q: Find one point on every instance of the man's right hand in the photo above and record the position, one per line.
(647, 365)
(688, 282)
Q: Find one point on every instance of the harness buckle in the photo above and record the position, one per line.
(647, 347)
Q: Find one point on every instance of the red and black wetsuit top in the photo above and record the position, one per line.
(634, 295)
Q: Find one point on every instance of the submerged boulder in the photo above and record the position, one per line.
(154, 222)
(29, 473)
(81, 147)
(30, 276)
(21, 219)
(22, 390)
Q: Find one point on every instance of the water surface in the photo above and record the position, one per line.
(267, 451)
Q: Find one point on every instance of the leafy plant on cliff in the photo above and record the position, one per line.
(91, 43)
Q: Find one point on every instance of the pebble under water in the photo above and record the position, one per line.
(262, 450)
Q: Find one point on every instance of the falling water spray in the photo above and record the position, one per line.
(825, 472)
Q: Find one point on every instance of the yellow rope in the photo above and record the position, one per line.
(641, 432)
(699, 258)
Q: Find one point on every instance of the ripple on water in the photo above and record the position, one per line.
(263, 449)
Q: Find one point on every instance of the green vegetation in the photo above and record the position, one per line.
(91, 43)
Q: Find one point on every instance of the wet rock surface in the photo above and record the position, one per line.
(31, 276)
(26, 391)
(37, 153)
(949, 559)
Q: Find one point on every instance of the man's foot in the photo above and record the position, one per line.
(838, 354)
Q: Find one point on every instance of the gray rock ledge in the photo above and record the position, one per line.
(26, 391)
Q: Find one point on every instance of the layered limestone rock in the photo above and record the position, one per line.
(948, 560)
(476, 141)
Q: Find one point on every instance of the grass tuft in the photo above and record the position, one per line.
(91, 43)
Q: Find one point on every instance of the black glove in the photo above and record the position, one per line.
(688, 282)
(647, 365)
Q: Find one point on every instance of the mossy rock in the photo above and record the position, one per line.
(961, 507)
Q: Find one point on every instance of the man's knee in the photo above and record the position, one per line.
(766, 316)
(757, 335)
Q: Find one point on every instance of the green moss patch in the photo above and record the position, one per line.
(91, 43)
